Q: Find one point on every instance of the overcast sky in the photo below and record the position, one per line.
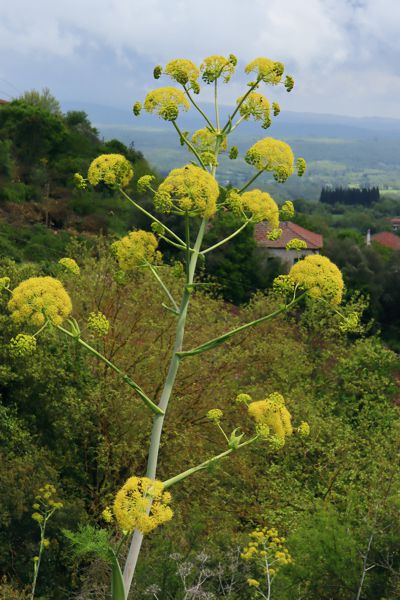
(343, 54)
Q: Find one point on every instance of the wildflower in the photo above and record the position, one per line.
(289, 83)
(215, 415)
(319, 277)
(136, 108)
(205, 140)
(22, 345)
(111, 169)
(301, 166)
(182, 70)
(71, 265)
(273, 413)
(257, 106)
(283, 284)
(296, 244)
(274, 234)
(142, 504)
(188, 189)
(46, 543)
(144, 183)
(38, 299)
(107, 515)
(136, 249)
(303, 429)
(234, 202)
(286, 211)
(98, 323)
(80, 182)
(233, 153)
(216, 66)
(243, 398)
(351, 323)
(261, 206)
(165, 102)
(157, 72)
(266, 69)
(272, 155)
(253, 583)
(4, 283)
(37, 517)
(276, 109)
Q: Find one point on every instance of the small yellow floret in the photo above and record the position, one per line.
(111, 169)
(215, 414)
(165, 102)
(257, 106)
(98, 323)
(273, 413)
(188, 189)
(261, 206)
(133, 501)
(296, 244)
(216, 66)
(320, 277)
(22, 345)
(266, 70)
(4, 283)
(71, 265)
(272, 155)
(182, 70)
(136, 249)
(40, 298)
(253, 583)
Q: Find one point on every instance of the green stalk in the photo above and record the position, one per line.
(152, 217)
(198, 108)
(216, 103)
(189, 145)
(250, 181)
(234, 234)
(230, 119)
(222, 338)
(206, 463)
(125, 377)
(158, 422)
(163, 286)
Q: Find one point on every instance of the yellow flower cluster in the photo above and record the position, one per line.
(266, 547)
(4, 283)
(182, 71)
(22, 345)
(136, 249)
(261, 206)
(296, 244)
(319, 277)
(165, 102)
(142, 504)
(272, 413)
(205, 141)
(38, 299)
(266, 70)
(272, 155)
(144, 183)
(111, 169)
(190, 190)
(283, 284)
(216, 66)
(71, 265)
(98, 323)
(257, 106)
(303, 429)
(45, 501)
(215, 414)
(286, 211)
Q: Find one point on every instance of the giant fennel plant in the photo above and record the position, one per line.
(193, 194)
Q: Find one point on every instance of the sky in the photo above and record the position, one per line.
(343, 54)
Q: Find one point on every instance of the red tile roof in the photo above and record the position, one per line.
(290, 231)
(388, 239)
(4, 101)
(395, 220)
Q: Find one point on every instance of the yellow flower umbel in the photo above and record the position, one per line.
(111, 169)
(133, 501)
(272, 155)
(296, 244)
(216, 66)
(266, 70)
(98, 323)
(204, 141)
(22, 345)
(256, 106)
(182, 71)
(319, 277)
(272, 413)
(136, 249)
(38, 299)
(261, 206)
(70, 265)
(190, 190)
(165, 102)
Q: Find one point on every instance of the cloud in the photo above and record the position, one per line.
(325, 43)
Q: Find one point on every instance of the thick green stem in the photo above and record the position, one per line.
(189, 145)
(216, 103)
(152, 217)
(223, 338)
(125, 377)
(250, 181)
(206, 463)
(158, 422)
(234, 234)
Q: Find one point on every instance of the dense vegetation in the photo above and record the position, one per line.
(358, 196)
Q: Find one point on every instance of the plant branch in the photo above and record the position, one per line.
(231, 117)
(198, 108)
(222, 338)
(163, 286)
(234, 234)
(250, 181)
(189, 145)
(126, 378)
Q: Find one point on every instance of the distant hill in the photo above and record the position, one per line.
(339, 150)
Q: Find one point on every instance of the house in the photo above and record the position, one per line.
(387, 239)
(4, 101)
(395, 223)
(290, 231)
